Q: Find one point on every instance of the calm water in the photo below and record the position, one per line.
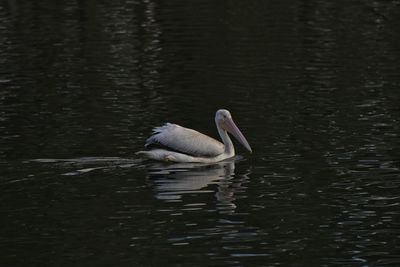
(314, 86)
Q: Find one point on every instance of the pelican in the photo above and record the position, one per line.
(175, 143)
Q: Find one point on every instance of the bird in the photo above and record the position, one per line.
(174, 143)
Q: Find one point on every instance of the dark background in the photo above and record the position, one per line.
(313, 85)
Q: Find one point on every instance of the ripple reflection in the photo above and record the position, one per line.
(172, 182)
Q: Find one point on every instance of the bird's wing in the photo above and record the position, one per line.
(185, 140)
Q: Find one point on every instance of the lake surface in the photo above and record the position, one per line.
(314, 86)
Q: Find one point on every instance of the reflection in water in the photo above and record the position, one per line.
(317, 85)
(173, 181)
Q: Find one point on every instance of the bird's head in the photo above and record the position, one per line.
(224, 120)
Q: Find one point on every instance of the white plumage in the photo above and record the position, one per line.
(175, 143)
(185, 140)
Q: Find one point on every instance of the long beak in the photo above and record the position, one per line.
(231, 127)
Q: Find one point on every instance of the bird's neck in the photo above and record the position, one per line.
(229, 149)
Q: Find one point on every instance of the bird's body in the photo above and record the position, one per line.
(175, 143)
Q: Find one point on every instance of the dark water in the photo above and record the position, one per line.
(314, 86)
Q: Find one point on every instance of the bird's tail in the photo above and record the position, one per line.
(157, 154)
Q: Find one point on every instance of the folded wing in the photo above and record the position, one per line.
(185, 140)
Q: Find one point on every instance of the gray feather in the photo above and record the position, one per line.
(185, 140)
